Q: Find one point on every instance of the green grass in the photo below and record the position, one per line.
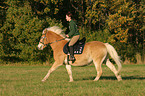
(26, 81)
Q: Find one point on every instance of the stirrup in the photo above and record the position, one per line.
(71, 58)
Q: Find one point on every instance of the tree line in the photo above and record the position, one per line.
(118, 22)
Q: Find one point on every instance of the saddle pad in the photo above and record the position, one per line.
(78, 47)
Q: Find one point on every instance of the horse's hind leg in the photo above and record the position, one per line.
(68, 67)
(98, 63)
(113, 69)
(54, 66)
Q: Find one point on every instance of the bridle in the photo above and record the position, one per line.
(43, 39)
(46, 40)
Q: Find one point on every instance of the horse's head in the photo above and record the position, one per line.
(51, 35)
(43, 40)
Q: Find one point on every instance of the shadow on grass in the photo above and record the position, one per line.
(114, 78)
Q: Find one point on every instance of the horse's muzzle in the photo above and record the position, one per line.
(40, 47)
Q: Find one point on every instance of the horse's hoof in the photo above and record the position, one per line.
(119, 78)
(96, 79)
(43, 80)
(71, 81)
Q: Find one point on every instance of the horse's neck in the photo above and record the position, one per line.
(58, 43)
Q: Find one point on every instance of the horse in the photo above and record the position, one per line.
(94, 51)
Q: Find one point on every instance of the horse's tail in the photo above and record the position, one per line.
(111, 50)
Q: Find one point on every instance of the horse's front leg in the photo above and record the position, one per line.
(68, 67)
(54, 66)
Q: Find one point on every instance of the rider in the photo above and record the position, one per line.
(73, 34)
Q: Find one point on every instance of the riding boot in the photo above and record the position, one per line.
(72, 58)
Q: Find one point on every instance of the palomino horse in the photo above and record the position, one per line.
(93, 51)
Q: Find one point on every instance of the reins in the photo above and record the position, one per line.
(51, 42)
(57, 41)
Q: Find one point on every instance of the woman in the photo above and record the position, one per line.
(73, 34)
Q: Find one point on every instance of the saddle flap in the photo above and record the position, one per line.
(78, 46)
(82, 41)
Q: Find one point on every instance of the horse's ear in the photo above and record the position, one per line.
(44, 31)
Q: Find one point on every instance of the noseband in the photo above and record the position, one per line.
(43, 39)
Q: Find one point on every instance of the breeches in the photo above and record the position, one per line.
(74, 40)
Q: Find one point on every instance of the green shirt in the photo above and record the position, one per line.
(73, 29)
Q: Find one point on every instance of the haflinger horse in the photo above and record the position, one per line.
(93, 51)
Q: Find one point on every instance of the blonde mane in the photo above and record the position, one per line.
(56, 30)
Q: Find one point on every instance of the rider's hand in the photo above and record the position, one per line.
(67, 36)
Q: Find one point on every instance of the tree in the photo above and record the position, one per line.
(96, 14)
(119, 22)
(22, 30)
(124, 24)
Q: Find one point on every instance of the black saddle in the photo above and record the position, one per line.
(78, 47)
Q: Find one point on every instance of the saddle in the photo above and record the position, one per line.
(78, 47)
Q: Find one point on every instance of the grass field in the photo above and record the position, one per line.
(26, 81)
